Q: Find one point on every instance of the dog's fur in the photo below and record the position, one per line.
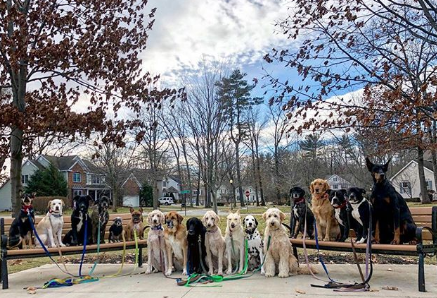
(49, 229)
(327, 227)
(234, 238)
(343, 212)
(361, 209)
(392, 219)
(115, 230)
(20, 233)
(100, 216)
(300, 210)
(214, 242)
(195, 231)
(254, 242)
(78, 217)
(156, 252)
(175, 235)
(279, 255)
(136, 223)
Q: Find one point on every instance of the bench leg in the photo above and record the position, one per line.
(421, 273)
(295, 253)
(140, 257)
(4, 271)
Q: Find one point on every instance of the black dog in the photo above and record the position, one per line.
(80, 218)
(20, 233)
(343, 212)
(300, 208)
(361, 210)
(100, 216)
(115, 230)
(392, 220)
(196, 257)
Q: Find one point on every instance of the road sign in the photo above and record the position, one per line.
(247, 193)
(185, 191)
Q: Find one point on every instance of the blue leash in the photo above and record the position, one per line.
(84, 244)
(318, 254)
(44, 247)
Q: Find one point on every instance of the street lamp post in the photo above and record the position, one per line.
(233, 194)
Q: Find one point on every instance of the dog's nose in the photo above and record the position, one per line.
(190, 232)
(155, 221)
(232, 225)
(209, 225)
(250, 224)
(317, 190)
(272, 224)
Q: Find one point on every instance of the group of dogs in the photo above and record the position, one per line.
(200, 247)
(335, 212)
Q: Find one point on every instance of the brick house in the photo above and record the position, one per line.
(82, 176)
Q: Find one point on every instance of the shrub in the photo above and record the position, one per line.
(40, 203)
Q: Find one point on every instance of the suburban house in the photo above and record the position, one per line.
(336, 182)
(82, 176)
(406, 180)
(135, 180)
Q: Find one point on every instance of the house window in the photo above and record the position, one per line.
(77, 192)
(335, 186)
(76, 177)
(405, 187)
(428, 184)
(24, 179)
(95, 179)
(164, 183)
(334, 179)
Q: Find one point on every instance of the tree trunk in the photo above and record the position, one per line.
(198, 189)
(15, 171)
(155, 193)
(237, 163)
(434, 152)
(114, 197)
(423, 187)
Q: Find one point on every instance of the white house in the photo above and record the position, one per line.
(406, 181)
(336, 182)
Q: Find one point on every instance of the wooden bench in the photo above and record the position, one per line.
(426, 242)
(5, 224)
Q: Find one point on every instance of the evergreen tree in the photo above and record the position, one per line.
(47, 182)
(234, 93)
(146, 195)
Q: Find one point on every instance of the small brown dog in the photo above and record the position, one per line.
(327, 226)
(136, 223)
(175, 235)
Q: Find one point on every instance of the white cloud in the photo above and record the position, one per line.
(237, 31)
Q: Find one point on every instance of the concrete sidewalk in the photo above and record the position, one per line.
(403, 277)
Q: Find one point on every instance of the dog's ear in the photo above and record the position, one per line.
(203, 218)
(149, 218)
(89, 198)
(369, 164)
(131, 210)
(49, 204)
(281, 215)
(385, 166)
(180, 218)
(264, 215)
(162, 218)
(62, 203)
(217, 218)
(238, 212)
(141, 209)
(343, 191)
(362, 190)
(76, 198)
(256, 222)
(312, 187)
(326, 185)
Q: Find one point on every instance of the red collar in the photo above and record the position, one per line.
(300, 200)
(341, 206)
(322, 197)
(26, 208)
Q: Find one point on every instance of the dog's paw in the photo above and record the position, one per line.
(320, 238)
(283, 274)
(184, 272)
(148, 269)
(395, 242)
(220, 273)
(263, 272)
(326, 239)
(362, 240)
(168, 273)
(269, 274)
(229, 271)
(210, 272)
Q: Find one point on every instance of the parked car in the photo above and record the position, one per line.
(166, 201)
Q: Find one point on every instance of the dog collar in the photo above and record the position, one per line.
(27, 209)
(323, 196)
(341, 206)
(56, 215)
(212, 229)
(156, 228)
(300, 200)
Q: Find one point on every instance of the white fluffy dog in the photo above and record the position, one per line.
(156, 252)
(255, 243)
(214, 242)
(234, 239)
(49, 228)
(279, 255)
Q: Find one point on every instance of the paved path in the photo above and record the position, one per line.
(404, 277)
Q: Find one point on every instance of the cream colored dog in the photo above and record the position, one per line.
(234, 239)
(49, 228)
(279, 254)
(214, 242)
(156, 252)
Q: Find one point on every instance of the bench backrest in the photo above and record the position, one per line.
(126, 217)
